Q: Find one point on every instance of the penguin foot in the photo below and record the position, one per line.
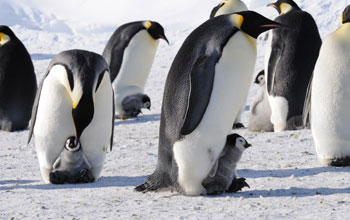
(237, 126)
(237, 185)
(145, 187)
(86, 176)
(57, 177)
(340, 162)
(214, 188)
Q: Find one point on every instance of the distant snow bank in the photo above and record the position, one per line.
(86, 16)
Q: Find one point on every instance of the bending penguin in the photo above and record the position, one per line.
(17, 82)
(291, 54)
(228, 7)
(329, 100)
(223, 176)
(260, 111)
(75, 99)
(130, 53)
(216, 59)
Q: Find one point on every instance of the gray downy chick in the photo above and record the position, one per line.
(260, 111)
(133, 104)
(72, 165)
(223, 176)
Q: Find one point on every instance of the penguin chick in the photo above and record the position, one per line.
(133, 104)
(71, 166)
(260, 111)
(223, 176)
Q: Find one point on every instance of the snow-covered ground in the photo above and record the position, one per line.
(286, 179)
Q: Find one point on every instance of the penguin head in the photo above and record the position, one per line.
(155, 30)
(146, 102)
(252, 23)
(82, 73)
(236, 140)
(6, 35)
(260, 78)
(284, 6)
(346, 15)
(72, 145)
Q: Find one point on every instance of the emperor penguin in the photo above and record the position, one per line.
(130, 53)
(75, 98)
(329, 97)
(228, 7)
(260, 111)
(204, 91)
(71, 166)
(223, 176)
(17, 82)
(291, 54)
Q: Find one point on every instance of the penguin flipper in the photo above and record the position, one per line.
(216, 9)
(275, 57)
(307, 104)
(35, 109)
(113, 119)
(201, 83)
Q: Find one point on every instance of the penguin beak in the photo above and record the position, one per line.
(275, 25)
(271, 5)
(164, 38)
(247, 145)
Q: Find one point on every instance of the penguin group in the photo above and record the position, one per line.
(72, 112)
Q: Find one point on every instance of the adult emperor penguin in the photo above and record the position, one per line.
(330, 98)
(228, 7)
(130, 53)
(205, 88)
(75, 98)
(260, 111)
(17, 82)
(290, 59)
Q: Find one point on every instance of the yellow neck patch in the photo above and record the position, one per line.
(4, 39)
(147, 24)
(342, 18)
(285, 8)
(237, 20)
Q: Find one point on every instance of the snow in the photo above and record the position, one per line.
(286, 178)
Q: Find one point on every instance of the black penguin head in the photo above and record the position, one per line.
(155, 30)
(84, 74)
(260, 78)
(284, 6)
(236, 140)
(252, 23)
(346, 15)
(146, 101)
(6, 35)
(72, 144)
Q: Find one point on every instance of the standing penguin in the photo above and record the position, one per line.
(330, 97)
(290, 59)
(260, 111)
(223, 176)
(228, 7)
(17, 82)
(130, 53)
(75, 98)
(204, 91)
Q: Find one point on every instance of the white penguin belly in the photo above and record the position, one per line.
(330, 99)
(95, 139)
(136, 65)
(197, 152)
(54, 121)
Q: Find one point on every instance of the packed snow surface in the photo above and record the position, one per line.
(286, 179)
